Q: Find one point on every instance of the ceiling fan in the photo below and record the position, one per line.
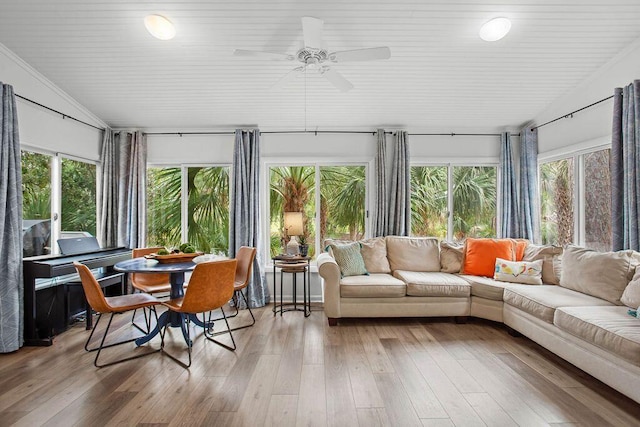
(314, 56)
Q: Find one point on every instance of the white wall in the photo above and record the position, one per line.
(44, 129)
(594, 124)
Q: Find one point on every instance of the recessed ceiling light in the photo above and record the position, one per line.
(160, 27)
(495, 29)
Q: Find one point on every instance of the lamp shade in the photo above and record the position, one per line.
(293, 223)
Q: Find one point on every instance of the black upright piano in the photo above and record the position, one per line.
(39, 326)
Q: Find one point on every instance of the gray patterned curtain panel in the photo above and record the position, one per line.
(529, 200)
(400, 195)
(108, 209)
(132, 185)
(244, 220)
(625, 167)
(509, 226)
(11, 285)
(381, 209)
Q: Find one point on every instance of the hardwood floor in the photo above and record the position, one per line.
(294, 371)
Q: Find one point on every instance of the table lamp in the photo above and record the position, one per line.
(292, 228)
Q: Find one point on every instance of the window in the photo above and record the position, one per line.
(36, 203)
(342, 200)
(78, 196)
(205, 222)
(473, 201)
(597, 200)
(429, 213)
(575, 200)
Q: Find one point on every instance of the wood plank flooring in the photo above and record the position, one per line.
(292, 371)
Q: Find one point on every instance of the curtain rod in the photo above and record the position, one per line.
(64, 116)
(327, 131)
(570, 115)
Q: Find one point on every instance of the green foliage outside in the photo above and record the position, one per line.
(78, 196)
(207, 213)
(474, 201)
(36, 185)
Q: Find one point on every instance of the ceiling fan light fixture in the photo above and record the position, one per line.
(159, 27)
(495, 29)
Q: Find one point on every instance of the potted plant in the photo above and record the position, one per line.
(303, 246)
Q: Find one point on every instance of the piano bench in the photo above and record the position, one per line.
(105, 279)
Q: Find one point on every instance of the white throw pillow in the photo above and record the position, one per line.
(631, 295)
(527, 272)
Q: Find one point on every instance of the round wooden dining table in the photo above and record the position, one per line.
(176, 272)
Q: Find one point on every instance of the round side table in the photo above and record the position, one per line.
(294, 266)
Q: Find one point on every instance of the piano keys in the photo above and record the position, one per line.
(38, 327)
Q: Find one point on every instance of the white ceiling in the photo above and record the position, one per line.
(441, 76)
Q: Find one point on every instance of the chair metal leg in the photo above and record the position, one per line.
(186, 328)
(253, 319)
(210, 336)
(102, 346)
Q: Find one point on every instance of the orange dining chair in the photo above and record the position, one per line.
(245, 257)
(210, 288)
(112, 305)
(150, 283)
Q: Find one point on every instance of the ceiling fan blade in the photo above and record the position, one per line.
(287, 78)
(367, 54)
(263, 54)
(337, 79)
(312, 29)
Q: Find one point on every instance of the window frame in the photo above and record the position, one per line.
(184, 196)
(450, 164)
(579, 178)
(56, 190)
(268, 163)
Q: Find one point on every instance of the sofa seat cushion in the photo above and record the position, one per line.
(543, 300)
(372, 286)
(433, 284)
(609, 328)
(485, 287)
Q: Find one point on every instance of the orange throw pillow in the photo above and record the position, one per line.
(480, 255)
(521, 245)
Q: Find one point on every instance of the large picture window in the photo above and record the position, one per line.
(469, 212)
(575, 199)
(342, 203)
(200, 218)
(36, 203)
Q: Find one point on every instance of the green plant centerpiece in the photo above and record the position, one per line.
(302, 245)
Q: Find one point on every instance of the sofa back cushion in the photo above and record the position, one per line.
(413, 253)
(349, 259)
(480, 255)
(451, 257)
(551, 257)
(603, 275)
(374, 252)
(631, 295)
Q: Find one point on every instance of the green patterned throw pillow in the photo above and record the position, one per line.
(349, 259)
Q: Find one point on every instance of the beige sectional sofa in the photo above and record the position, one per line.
(577, 314)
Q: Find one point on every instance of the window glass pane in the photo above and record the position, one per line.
(78, 197)
(429, 201)
(556, 200)
(36, 203)
(474, 201)
(208, 221)
(597, 203)
(292, 189)
(342, 202)
(164, 224)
